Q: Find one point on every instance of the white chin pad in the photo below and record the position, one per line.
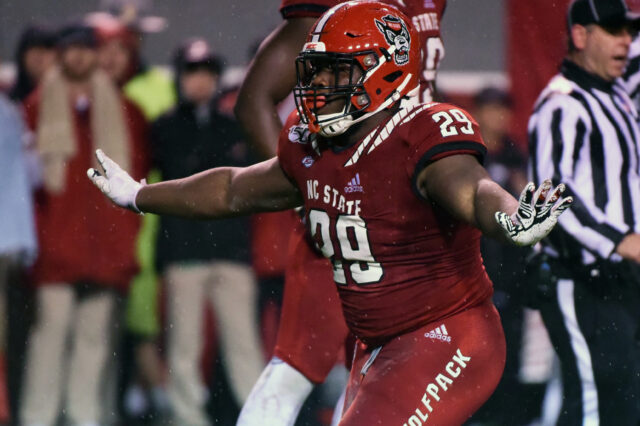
(334, 127)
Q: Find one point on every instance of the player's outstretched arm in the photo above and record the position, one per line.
(460, 185)
(212, 194)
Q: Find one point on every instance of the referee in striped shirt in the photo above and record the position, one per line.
(584, 132)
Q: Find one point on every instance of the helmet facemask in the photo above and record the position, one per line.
(347, 85)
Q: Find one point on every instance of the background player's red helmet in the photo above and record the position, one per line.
(374, 36)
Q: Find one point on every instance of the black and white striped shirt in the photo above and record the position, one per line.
(584, 132)
(631, 79)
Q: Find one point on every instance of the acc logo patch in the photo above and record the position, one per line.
(299, 134)
(397, 35)
(308, 161)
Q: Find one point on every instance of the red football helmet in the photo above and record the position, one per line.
(374, 36)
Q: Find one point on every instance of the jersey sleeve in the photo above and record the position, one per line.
(440, 131)
(305, 8)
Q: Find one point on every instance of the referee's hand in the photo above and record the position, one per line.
(629, 247)
(537, 213)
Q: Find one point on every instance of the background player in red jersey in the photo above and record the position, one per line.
(409, 272)
(312, 329)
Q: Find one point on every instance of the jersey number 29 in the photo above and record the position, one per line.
(453, 121)
(353, 242)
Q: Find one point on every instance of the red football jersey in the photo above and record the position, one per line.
(426, 16)
(399, 262)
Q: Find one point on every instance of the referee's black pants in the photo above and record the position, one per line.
(594, 325)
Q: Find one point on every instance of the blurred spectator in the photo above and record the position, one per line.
(35, 55)
(150, 88)
(17, 231)
(507, 166)
(492, 110)
(82, 263)
(204, 261)
(268, 248)
(505, 265)
(153, 91)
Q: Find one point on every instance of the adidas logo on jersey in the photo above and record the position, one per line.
(439, 333)
(354, 185)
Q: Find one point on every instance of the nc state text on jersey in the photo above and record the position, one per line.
(332, 197)
(426, 22)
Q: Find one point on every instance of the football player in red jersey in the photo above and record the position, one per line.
(312, 330)
(426, 17)
(396, 197)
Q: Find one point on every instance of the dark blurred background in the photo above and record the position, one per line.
(474, 30)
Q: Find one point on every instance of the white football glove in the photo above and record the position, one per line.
(115, 183)
(537, 213)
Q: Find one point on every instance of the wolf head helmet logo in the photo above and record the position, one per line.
(397, 35)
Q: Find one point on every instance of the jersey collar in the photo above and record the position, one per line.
(583, 78)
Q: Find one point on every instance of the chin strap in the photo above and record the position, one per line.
(338, 123)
